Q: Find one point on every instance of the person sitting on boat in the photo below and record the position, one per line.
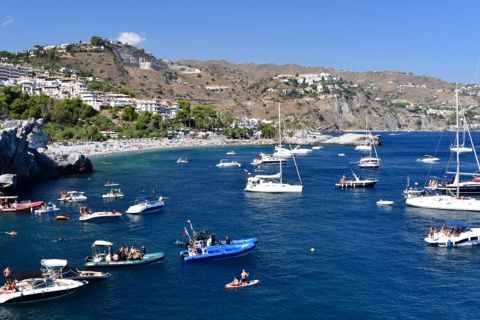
(212, 237)
(244, 276)
(10, 286)
(121, 253)
(63, 194)
(112, 193)
(119, 191)
(235, 282)
(228, 240)
(219, 242)
(160, 199)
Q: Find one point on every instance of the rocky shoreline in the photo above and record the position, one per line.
(25, 158)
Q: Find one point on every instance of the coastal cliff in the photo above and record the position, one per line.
(25, 158)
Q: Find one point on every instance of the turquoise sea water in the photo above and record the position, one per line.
(369, 262)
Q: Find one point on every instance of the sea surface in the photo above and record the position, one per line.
(327, 253)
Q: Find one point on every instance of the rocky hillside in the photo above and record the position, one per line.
(390, 100)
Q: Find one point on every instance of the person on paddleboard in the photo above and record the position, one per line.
(244, 276)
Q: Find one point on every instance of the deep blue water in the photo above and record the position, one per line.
(369, 261)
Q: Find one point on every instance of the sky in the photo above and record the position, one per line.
(438, 39)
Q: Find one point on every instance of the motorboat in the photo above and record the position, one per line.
(317, 147)
(226, 163)
(100, 216)
(264, 158)
(114, 193)
(49, 207)
(11, 204)
(385, 202)
(298, 150)
(428, 159)
(203, 246)
(454, 234)
(182, 160)
(35, 289)
(103, 256)
(230, 152)
(195, 254)
(60, 269)
(73, 196)
(274, 183)
(111, 184)
(144, 204)
(282, 152)
(357, 182)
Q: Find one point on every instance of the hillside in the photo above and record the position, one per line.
(391, 100)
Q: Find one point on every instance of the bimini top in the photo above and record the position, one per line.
(52, 263)
(457, 223)
(102, 243)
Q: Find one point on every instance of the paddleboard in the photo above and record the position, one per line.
(248, 284)
(62, 218)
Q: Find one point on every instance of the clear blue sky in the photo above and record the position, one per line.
(433, 38)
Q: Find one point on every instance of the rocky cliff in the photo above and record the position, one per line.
(25, 158)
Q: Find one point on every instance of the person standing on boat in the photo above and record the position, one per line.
(8, 274)
(244, 276)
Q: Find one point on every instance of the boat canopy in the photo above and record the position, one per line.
(457, 223)
(52, 263)
(102, 243)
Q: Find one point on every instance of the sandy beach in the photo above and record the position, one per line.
(108, 147)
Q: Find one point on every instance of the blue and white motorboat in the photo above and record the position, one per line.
(454, 234)
(204, 246)
(49, 207)
(216, 252)
(103, 256)
(145, 204)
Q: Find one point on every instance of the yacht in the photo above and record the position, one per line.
(454, 234)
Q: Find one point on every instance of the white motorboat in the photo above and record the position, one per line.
(114, 193)
(49, 207)
(100, 216)
(35, 289)
(111, 184)
(317, 147)
(274, 183)
(282, 152)
(454, 234)
(182, 160)
(432, 197)
(231, 152)
(428, 159)
(298, 150)
(384, 202)
(267, 159)
(144, 204)
(225, 163)
(357, 182)
(61, 270)
(73, 196)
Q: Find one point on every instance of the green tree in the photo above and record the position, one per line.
(129, 114)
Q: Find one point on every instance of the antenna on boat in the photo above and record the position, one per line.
(191, 227)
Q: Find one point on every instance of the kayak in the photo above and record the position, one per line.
(248, 284)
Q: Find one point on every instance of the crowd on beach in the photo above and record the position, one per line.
(112, 146)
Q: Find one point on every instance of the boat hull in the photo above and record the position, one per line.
(444, 202)
(65, 287)
(148, 258)
(138, 209)
(273, 187)
(219, 252)
(99, 217)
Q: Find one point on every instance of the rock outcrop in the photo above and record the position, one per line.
(25, 158)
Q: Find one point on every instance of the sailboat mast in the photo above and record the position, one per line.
(457, 176)
(280, 143)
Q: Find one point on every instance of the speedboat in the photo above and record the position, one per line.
(454, 234)
(182, 160)
(264, 158)
(428, 159)
(114, 193)
(203, 246)
(358, 182)
(231, 152)
(60, 269)
(100, 216)
(298, 150)
(10, 204)
(100, 258)
(111, 184)
(49, 207)
(73, 196)
(34, 289)
(212, 252)
(145, 204)
(225, 163)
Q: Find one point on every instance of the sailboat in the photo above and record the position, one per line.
(372, 160)
(274, 183)
(367, 145)
(433, 199)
